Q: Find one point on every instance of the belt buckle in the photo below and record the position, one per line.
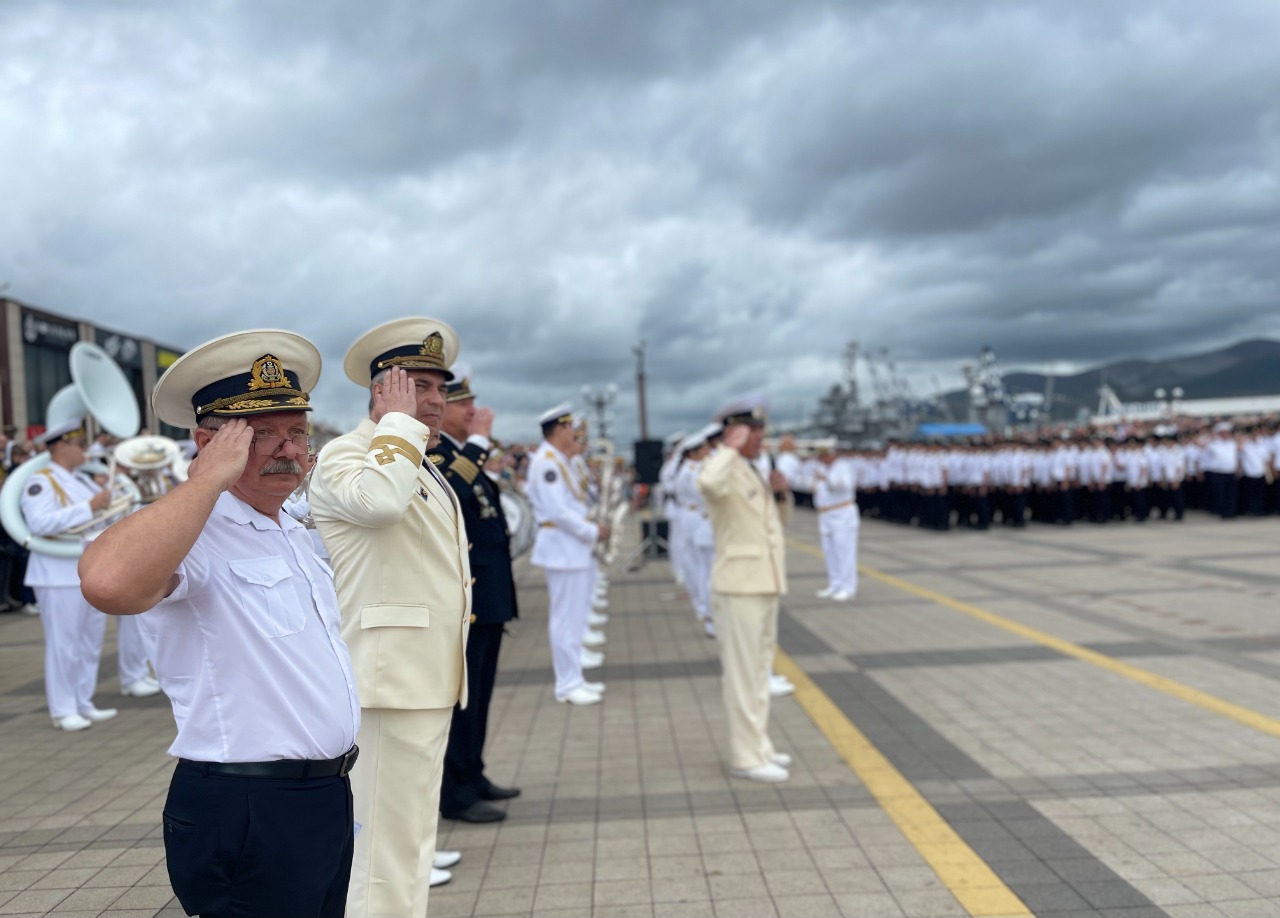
(349, 761)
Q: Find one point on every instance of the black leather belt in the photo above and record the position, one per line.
(282, 769)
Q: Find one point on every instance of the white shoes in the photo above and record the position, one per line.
(709, 628)
(591, 658)
(594, 639)
(825, 592)
(440, 877)
(597, 687)
(143, 688)
(446, 859)
(581, 695)
(765, 774)
(597, 620)
(841, 596)
(71, 723)
(781, 759)
(98, 715)
(30, 609)
(780, 686)
(600, 603)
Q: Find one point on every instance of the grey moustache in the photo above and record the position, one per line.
(281, 467)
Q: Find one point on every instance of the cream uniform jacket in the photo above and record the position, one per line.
(398, 544)
(750, 554)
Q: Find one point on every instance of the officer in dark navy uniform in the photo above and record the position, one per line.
(464, 447)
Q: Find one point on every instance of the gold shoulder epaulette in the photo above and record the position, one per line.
(385, 449)
(464, 468)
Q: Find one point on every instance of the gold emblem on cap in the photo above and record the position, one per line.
(267, 374)
(433, 346)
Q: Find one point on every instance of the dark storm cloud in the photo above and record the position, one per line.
(744, 185)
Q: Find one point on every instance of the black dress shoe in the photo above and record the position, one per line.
(477, 812)
(494, 792)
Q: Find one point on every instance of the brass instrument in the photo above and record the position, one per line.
(98, 389)
(612, 506)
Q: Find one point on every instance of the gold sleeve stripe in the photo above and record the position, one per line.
(385, 450)
(464, 468)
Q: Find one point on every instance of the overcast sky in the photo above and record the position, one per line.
(744, 184)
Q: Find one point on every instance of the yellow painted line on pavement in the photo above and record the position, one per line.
(967, 877)
(1171, 687)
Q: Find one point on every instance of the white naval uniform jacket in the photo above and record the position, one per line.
(750, 554)
(566, 536)
(56, 499)
(398, 546)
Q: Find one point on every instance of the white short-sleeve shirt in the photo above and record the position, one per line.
(248, 646)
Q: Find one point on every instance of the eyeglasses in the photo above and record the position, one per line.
(265, 444)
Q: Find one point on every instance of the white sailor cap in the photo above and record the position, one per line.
(459, 388)
(560, 414)
(752, 409)
(58, 431)
(672, 440)
(238, 375)
(714, 429)
(1222, 427)
(415, 343)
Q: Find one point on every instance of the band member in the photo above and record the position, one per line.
(58, 498)
(838, 524)
(748, 576)
(258, 820)
(395, 535)
(461, 454)
(565, 541)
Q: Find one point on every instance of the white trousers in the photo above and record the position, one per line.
(73, 632)
(700, 559)
(395, 790)
(839, 532)
(747, 636)
(570, 604)
(677, 546)
(134, 650)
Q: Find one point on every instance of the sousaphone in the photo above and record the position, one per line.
(99, 389)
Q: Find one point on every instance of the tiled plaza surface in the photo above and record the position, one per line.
(1131, 769)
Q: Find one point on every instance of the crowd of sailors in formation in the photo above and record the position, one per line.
(1099, 477)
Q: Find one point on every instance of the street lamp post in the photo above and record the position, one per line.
(638, 350)
(599, 403)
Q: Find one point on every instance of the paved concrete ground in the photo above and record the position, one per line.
(1059, 722)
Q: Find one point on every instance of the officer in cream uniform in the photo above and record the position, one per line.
(398, 544)
(57, 498)
(748, 576)
(563, 549)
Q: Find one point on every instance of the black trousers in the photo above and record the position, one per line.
(258, 847)
(464, 782)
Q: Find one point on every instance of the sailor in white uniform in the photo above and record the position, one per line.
(563, 549)
(56, 499)
(838, 525)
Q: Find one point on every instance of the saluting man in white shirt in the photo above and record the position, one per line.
(258, 820)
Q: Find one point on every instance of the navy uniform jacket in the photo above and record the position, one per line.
(493, 595)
